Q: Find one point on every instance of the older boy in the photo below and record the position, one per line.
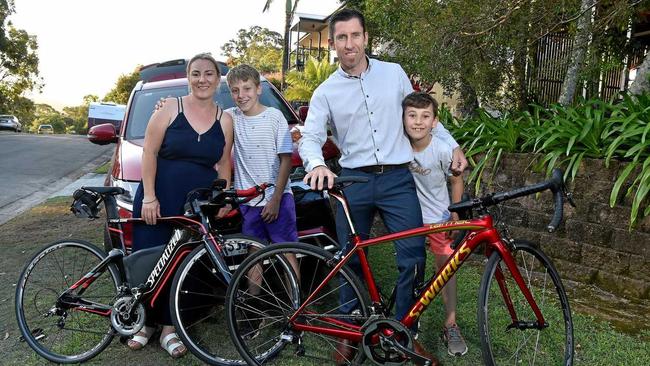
(430, 168)
(263, 149)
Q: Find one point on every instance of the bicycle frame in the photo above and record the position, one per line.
(480, 231)
(178, 247)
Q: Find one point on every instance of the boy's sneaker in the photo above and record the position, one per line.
(454, 340)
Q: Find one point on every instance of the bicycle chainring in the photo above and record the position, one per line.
(378, 336)
(127, 316)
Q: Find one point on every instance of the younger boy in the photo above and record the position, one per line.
(430, 170)
(262, 151)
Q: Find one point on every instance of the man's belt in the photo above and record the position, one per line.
(379, 169)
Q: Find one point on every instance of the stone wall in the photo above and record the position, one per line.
(594, 245)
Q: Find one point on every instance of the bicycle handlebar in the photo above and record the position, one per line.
(555, 184)
(220, 197)
(340, 182)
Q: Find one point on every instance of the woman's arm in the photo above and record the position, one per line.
(153, 138)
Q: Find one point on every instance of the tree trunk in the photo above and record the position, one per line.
(580, 44)
(641, 83)
(285, 49)
(519, 68)
(469, 100)
(290, 9)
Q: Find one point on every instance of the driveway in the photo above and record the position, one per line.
(32, 167)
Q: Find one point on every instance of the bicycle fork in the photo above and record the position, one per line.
(508, 259)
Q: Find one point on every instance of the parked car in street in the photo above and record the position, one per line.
(314, 216)
(45, 129)
(9, 122)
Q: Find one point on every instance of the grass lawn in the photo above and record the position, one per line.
(597, 343)
(103, 169)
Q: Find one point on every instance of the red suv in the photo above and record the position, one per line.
(314, 216)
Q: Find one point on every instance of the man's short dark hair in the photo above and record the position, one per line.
(344, 15)
(420, 100)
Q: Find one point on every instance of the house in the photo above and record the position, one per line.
(308, 37)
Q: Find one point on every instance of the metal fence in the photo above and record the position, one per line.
(548, 66)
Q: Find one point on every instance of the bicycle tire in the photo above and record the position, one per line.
(37, 293)
(553, 345)
(197, 305)
(264, 317)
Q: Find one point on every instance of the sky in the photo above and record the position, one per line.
(85, 45)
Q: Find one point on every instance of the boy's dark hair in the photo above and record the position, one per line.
(243, 72)
(420, 100)
(344, 15)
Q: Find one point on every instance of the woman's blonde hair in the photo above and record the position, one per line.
(203, 56)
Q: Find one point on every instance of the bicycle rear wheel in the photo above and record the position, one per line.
(63, 333)
(265, 291)
(552, 345)
(197, 302)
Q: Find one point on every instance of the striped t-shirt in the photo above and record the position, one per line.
(258, 141)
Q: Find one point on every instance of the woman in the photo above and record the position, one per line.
(187, 142)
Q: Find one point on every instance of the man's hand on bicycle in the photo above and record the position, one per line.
(150, 210)
(316, 177)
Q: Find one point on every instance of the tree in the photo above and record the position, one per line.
(123, 87)
(301, 84)
(258, 47)
(78, 115)
(485, 48)
(18, 60)
(24, 109)
(580, 44)
(290, 9)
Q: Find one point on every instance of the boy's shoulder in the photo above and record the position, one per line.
(438, 148)
(439, 143)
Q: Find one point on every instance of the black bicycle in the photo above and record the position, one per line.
(72, 298)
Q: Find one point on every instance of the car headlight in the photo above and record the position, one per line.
(125, 200)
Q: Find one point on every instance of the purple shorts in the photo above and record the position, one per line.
(283, 229)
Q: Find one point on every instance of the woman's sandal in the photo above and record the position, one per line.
(138, 341)
(169, 346)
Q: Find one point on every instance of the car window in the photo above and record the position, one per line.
(144, 102)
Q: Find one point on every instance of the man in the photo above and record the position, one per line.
(361, 102)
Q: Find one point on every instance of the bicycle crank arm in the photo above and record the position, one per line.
(408, 353)
(522, 325)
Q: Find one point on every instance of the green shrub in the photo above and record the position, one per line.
(562, 137)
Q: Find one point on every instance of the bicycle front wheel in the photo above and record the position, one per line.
(58, 331)
(269, 287)
(505, 345)
(197, 301)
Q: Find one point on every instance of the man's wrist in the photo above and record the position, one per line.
(311, 166)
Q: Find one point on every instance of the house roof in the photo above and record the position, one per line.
(303, 22)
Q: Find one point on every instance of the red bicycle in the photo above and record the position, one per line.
(523, 310)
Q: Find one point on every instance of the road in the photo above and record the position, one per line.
(33, 167)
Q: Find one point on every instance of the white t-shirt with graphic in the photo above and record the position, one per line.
(430, 169)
